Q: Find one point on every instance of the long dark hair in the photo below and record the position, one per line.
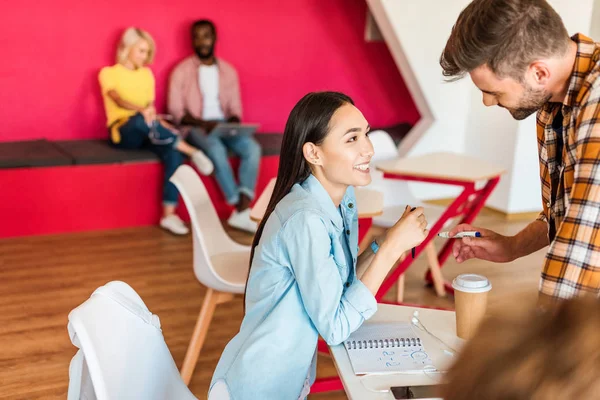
(308, 122)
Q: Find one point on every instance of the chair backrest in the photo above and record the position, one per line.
(123, 354)
(395, 192)
(383, 145)
(210, 238)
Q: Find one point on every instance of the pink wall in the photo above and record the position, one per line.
(52, 51)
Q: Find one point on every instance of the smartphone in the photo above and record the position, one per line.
(413, 392)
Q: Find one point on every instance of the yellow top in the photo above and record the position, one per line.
(133, 86)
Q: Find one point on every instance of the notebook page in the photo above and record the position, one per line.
(382, 348)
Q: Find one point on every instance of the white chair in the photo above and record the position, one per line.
(220, 264)
(122, 352)
(396, 196)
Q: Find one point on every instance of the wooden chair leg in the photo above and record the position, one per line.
(400, 291)
(434, 267)
(211, 300)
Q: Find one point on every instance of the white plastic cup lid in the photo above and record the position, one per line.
(471, 283)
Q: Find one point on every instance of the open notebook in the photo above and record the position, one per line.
(383, 348)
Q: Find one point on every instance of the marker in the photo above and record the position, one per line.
(459, 235)
(412, 252)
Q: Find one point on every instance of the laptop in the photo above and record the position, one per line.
(226, 129)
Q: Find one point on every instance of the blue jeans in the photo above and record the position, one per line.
(215, 147)
(136, 134)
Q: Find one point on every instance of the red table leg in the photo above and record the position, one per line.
(326, 385)
(468, 204)
(472, 209)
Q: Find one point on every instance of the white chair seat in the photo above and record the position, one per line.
(232, 268)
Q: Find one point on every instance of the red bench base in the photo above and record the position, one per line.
(78, 198)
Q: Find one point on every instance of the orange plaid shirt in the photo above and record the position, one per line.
(571, 180)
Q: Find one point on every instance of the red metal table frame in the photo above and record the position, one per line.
(468, 204)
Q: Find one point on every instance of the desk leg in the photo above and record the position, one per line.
(450, 212)
(326, 385)
(364, 224)
(472, 209)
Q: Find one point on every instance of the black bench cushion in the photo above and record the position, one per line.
(32, 153)
(42, 153)
(86, 152)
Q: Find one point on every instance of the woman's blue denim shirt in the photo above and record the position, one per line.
(302, 284)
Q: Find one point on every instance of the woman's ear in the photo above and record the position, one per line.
(311, 153)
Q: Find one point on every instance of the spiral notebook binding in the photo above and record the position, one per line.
(383, 343)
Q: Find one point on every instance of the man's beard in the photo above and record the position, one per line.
(531, 101)
(203, 54)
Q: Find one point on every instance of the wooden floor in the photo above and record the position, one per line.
(43, 278)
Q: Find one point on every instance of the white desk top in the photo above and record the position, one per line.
(440, 323)
(449, 166)
(369, 203)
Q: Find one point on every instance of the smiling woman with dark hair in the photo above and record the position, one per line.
(306, 278)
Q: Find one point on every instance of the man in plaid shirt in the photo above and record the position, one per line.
(518, 53)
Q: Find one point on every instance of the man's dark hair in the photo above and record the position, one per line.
(505, 35)
(203, 22)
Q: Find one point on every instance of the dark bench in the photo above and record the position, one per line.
(44, 153)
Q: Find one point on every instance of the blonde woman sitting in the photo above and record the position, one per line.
(128, 90)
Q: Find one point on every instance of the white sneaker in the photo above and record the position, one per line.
(241, 220)
(174, 224)
(202, 162)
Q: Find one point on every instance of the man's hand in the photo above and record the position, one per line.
(490, 247)
(190, 120)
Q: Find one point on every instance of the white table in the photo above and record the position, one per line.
(439, 322)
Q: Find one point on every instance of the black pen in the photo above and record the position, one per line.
(412, 252)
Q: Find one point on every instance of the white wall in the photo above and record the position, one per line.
(595, 24)
(454, 116)
(417, 53)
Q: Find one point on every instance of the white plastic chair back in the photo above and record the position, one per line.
(383, 145)
(396, 193)
(210, 239)
(123, 354)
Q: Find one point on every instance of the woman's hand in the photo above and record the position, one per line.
(408, 232)
(168, 125)
(149, 114)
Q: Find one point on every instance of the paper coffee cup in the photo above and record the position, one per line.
(470, 297)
